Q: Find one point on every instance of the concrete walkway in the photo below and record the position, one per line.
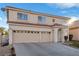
(45, 49)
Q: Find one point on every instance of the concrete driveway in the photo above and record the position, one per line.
(45, 49)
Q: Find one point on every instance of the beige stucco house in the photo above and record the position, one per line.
(0, 37)
(74, 30)
(26, 26)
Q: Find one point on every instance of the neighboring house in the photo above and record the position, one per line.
(74, 30)
(26, 26)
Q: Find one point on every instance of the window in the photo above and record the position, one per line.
(28, 31)
(37, 32)
(18, 31)
(49, 32)
(14, 31)
(31, 31)
(22, 16)
(53, 20)
(41, 19)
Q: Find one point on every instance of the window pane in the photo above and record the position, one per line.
(41, 19)
(19, 15)
(22, 16)
(53, 20)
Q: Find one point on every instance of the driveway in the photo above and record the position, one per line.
(45, 49)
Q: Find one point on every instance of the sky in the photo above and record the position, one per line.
(60, 9)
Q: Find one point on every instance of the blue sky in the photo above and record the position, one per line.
(60, 9)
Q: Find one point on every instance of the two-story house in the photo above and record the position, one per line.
(0, 37)
(26, 26)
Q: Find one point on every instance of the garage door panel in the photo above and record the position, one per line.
(20, 36)
(45, 36)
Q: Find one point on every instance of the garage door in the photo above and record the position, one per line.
(23, 36)
(45, 36)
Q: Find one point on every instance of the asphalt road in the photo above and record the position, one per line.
(45, 49)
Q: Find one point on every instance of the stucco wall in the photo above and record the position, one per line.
(75, 33)
(27, 27)
(75, 30)
(33, 18)
(0, 37)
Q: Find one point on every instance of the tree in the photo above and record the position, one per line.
(1, 29)
(5, 32)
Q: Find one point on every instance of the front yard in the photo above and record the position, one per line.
(7, 51)
(73, 43)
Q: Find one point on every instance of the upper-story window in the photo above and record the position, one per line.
(53, 20)
(22, 16)
(41, 19)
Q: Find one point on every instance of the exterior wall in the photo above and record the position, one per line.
(10, 36)
(0, 38)
(55, 35)
(74, 30)
(27, 27)
(61, 21)
(75, 33)
(33, 18)
(75, 24)
(12, 15)
(65, 32)
(49, 21)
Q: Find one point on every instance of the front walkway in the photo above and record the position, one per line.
(45, 49)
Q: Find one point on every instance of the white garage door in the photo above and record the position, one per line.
(22, 36)
(45, 36)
